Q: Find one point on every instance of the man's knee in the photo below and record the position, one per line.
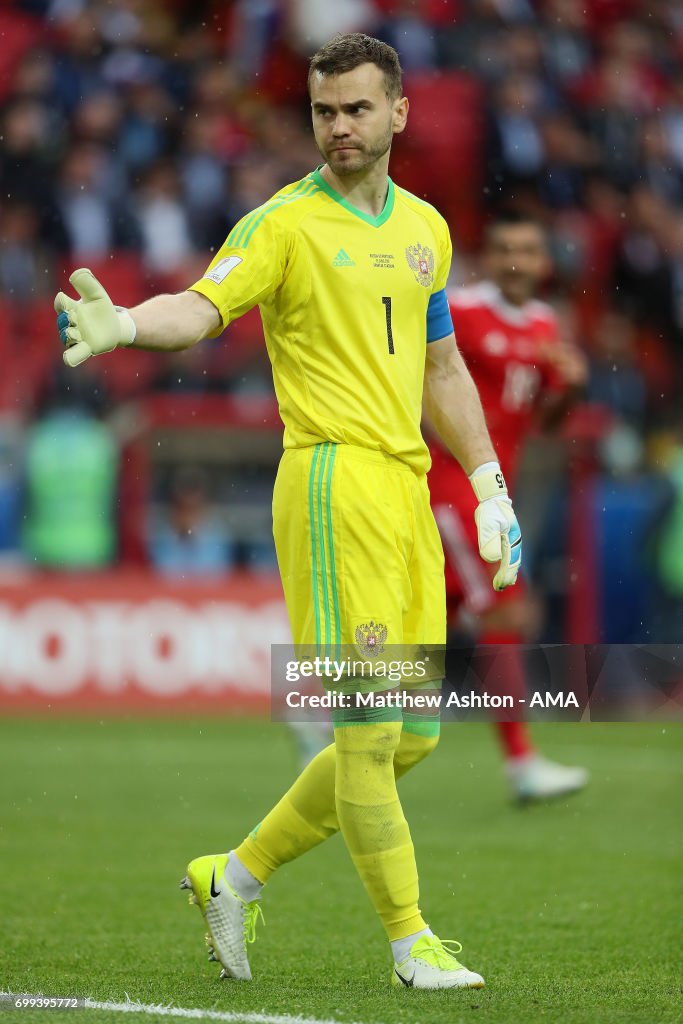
(372, 737)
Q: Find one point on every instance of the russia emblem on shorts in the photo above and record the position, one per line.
(371, 637)
(421, 262)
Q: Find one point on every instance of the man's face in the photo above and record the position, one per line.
(517, 260)
(354, 120)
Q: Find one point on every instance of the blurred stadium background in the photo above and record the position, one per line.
(136, 558)
(137, 572)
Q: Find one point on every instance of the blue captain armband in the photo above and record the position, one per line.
(439, 322)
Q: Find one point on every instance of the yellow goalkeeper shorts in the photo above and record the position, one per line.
(358, 548)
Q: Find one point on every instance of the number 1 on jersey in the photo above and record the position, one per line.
(386, 300)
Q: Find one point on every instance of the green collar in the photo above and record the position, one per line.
(375, 222)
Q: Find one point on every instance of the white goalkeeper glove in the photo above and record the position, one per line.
(93, 324)
(500, 538)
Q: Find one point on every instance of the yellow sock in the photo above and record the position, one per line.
(372, 822)
(303, 818)
(306, 815)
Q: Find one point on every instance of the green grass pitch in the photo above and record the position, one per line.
(572, 911)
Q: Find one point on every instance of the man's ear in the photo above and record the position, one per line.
(399, 116)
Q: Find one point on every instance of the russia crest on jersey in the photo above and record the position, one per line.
(421, 261)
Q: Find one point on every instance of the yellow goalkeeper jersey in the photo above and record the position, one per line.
(343, 298)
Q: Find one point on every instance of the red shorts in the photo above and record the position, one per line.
(468, 577)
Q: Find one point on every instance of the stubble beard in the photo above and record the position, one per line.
(360, 159)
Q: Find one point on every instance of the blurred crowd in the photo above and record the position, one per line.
(135, 133)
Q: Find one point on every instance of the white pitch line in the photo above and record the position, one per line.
(187, 1014)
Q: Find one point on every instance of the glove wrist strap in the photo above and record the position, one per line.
(127, 327)
(488, 482)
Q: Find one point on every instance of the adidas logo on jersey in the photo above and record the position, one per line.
(342, 259)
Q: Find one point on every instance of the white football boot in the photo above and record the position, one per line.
(534, 778)
(231, 920)
(431, 964)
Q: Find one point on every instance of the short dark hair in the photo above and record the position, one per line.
(346, 52)
(509, 218)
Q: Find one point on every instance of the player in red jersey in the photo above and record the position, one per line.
(527, 377)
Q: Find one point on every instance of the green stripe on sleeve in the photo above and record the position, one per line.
(251, 221)
(230, 240)
(239, 240)
(275, 206)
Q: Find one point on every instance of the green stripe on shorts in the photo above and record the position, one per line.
(323, 567)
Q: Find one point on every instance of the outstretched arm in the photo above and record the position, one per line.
(173, 322)
(93, 325)
(231, 286)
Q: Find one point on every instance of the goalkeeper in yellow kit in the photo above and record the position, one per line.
(348, 271)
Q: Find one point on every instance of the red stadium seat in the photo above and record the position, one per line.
(18, 33)
(439, 157)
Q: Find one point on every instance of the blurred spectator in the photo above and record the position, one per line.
(622, 88)
(516, 153)
(145, 132)
(27, 164)
(659, 169)
(627, 500)
(11, 462)
(97, 118)
(565, 43)
(190, 540)
(615, 379)
(204, 185)
(285, 142)
(78, 69)
(523, 51)
(70, 480)
(163, 219)
(34, 77)
(411, 35)
(585, 238)
(311, 23)
(648, 265)
(667, 551)
(568, 155)
(673, 119)
(95, 220)
(24, 259)
(256, 25)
